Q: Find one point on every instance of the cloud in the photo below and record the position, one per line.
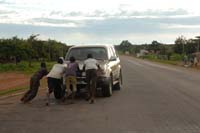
(101, 22)
(123, 13)
(105, 20)
(92, 35)
(181, 26)
(140, 25)
(52, 13)
(160, 13)
(5, 12)
(53, 22)
(99, 25)
(149, 13)
(5, 2)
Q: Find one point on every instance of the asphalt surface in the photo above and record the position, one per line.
(155, 99)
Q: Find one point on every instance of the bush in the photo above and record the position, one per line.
(176, 57)
(150, 56)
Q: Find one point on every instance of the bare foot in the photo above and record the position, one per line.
(47, 104)
(92, 101)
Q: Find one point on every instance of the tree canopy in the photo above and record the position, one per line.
(30, 49)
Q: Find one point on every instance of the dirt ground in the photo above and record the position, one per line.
(13, 80)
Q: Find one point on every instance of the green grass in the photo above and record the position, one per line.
(165, 61)
(23, 67)
(11, 91)
(175, 59)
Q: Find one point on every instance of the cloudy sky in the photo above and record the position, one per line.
(102, 21)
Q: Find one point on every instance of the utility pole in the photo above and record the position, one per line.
(30, 40)
(183, 43)
(49, 50)
(198, 39)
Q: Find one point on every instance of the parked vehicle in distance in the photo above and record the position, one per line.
(110, 76)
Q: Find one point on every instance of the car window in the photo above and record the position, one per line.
(81, 53)
(113, 52)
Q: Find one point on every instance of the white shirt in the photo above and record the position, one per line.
(90, 63)
(57, 71)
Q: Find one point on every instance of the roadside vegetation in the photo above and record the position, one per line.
(14, 50)
(183, 52)
(25, 55)
(153, 57)
(23, 67)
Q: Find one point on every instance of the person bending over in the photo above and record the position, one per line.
(54, 79)
(34, 84)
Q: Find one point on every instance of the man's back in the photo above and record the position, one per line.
(57, 71)
(90, 63)
(71, 69)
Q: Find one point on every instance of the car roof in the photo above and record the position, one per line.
(90, 45)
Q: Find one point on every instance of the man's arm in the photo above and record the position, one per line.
(98, 66)
(83, 67)
(77, 66)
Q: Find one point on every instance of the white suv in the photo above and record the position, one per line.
(111, 75)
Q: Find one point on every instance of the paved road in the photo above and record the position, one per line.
(154, 99)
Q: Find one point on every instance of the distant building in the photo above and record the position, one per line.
(127, 52)
(142, 53)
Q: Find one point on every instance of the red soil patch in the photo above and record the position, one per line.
(13, 80)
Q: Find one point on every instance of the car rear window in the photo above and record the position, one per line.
(98, 53)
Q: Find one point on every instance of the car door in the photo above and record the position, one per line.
(114, 63)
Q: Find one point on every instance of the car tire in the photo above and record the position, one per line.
(118, 86)
(107, 89)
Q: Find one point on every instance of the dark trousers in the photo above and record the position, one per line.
(32, 92)
(91, 78)
(54, 83)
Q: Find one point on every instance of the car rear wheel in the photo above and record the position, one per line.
(118, 86)
(107, 89)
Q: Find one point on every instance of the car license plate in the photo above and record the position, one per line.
(83, 74)
(81, 82)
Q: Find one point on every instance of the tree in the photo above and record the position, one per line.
(180, 44)
(125, 46)
(31, 48)
(155, 46)
(31, 41)
(191, 46)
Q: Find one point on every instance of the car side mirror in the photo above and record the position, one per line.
(112, 58)
(61, 58)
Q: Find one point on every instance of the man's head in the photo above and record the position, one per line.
(72, 59)
(60, 61)
(43, 64)
(89, 56)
